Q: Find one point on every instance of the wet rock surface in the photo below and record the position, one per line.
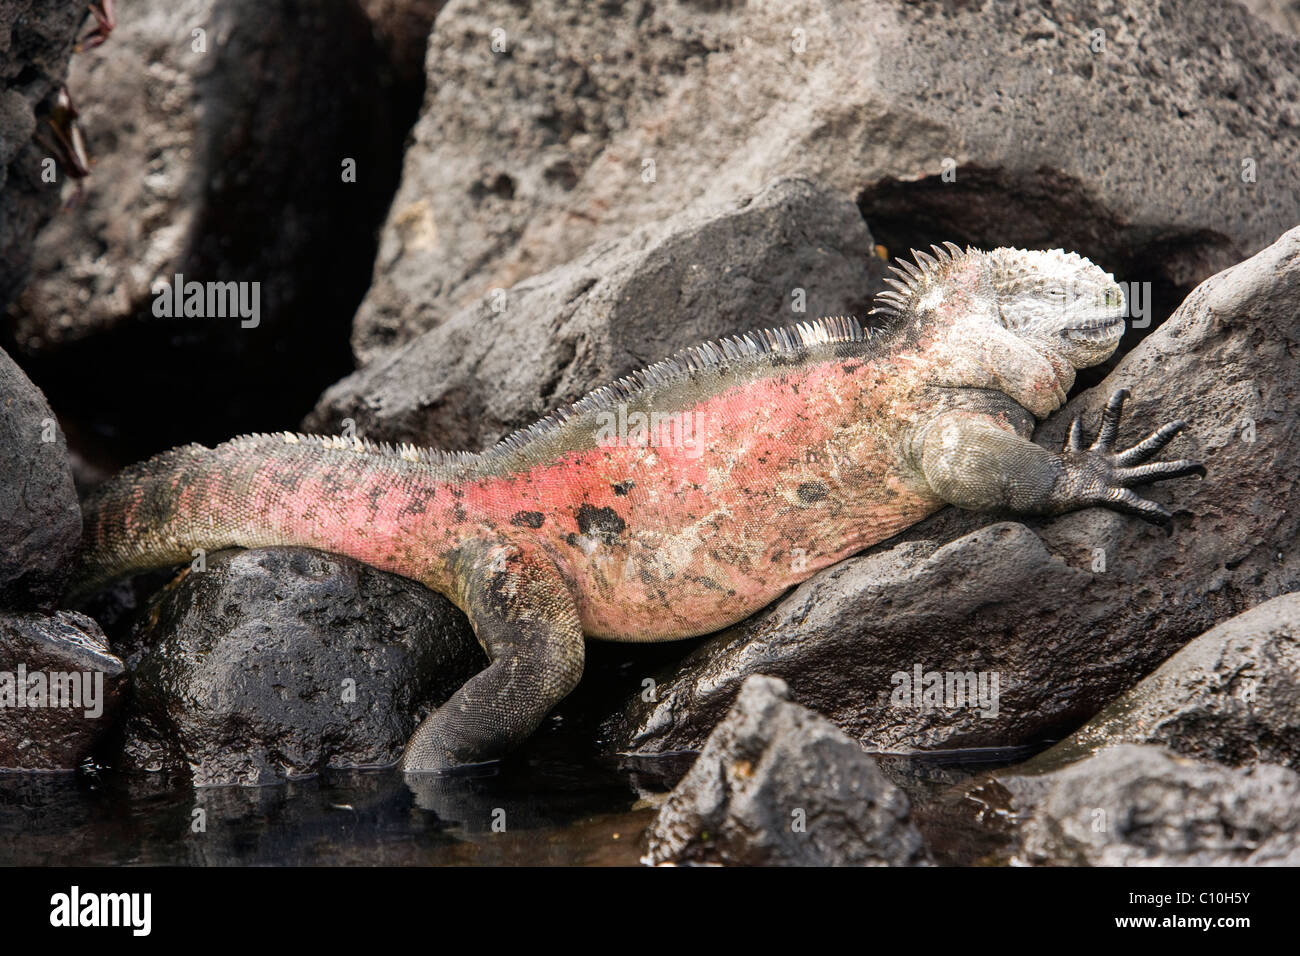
(778, 784)
(40, 520)
(1142, 806)
(1118, 132)
(60, 689)
(1068, 613)
(1232, 695)
(282, 662)
(36, 39)
(219, 133)
(515, 355)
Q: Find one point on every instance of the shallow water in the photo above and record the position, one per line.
(370, 818)
(542, 808)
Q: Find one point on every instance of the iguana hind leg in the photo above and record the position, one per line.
(525, 617)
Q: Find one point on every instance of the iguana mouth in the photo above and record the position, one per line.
(1096, 329)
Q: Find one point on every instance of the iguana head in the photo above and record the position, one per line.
(1059, 302)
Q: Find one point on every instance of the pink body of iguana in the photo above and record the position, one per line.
(666, 535)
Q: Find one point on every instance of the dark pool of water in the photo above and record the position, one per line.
(523, 812)
(543, 807)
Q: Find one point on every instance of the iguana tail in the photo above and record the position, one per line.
(256, 491)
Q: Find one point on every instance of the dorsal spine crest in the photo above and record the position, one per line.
(789, 340)
(910, 281)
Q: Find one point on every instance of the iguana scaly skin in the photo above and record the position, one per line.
(760, 460)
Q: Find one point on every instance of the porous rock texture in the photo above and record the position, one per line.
(1136, 805)
(1156, 138)
(779, 785)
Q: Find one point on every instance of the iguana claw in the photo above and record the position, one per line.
(1097, 474)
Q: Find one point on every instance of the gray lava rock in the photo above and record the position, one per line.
(40, 520)
(1231, 695)
(1120, 132)
(777, 784)
(1282, 15)
(281, 662)
(1143, 806)
(36, 38)
(60, 688)
(222, 163)
(505, 361)
(1066, 613)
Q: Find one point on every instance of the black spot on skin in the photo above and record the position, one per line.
(527, 519)
(811, 491)
(600, 522)
(571, 539)
(623, 487)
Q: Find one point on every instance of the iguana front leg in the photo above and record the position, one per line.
(524, 615)
(973, 461)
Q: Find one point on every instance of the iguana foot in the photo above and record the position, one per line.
(1099, 475)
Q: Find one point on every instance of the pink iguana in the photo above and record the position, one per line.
(685, 496)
